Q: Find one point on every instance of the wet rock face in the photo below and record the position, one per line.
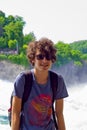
(9, 71)
(73, 74)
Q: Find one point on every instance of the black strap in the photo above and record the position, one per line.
(27, 86)
(54, 85)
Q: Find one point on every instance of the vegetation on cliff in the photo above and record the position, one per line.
(13, 44)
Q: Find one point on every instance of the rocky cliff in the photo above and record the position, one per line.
(9, 71)
(72, 74)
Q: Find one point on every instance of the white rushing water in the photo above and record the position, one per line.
(75, 107)
(5, 92)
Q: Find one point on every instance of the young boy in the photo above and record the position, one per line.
(37, 111)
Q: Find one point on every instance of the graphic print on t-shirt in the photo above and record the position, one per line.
(40, 110)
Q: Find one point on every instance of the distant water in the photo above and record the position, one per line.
(75, 107)
(5, 92)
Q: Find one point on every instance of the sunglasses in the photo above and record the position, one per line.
(41, 56)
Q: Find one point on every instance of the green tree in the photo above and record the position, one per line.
(12, 44)
(26, 40)
(3, 42)
(84, 57)
(14, 30)
(76, 55)
(80, 45)
(2, 14)
(29, 37)
(9, 19)
(2, 22)
(63, 53)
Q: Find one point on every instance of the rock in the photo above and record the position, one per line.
(9, 71)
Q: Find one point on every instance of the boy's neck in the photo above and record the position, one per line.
(41, 77)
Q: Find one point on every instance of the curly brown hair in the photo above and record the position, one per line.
(44, 45)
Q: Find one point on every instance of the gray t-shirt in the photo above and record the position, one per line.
(37, 109)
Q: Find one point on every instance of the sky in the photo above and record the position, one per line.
(58, 20)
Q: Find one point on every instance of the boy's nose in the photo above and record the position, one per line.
(44, 59)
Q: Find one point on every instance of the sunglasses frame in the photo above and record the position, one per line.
(41, 57)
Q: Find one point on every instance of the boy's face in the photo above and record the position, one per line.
(42, 61)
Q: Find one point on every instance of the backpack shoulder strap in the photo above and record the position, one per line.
(54, 82)
(27, 86)
(54, 85)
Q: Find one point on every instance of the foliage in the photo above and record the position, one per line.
(80, 45)
(76, 55)
(29, 38)
(2, 42)
(78, 63)
(2, 14)
(67, 53)
(19, 59)
(84, 57)
(12, 44)
(63, 53)
(3, 57)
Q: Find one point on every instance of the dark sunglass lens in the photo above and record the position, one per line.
(40, 57)
(48, 57)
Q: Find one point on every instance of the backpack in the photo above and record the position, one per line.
(27, 90)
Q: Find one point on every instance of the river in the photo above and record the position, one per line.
(75, 106)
